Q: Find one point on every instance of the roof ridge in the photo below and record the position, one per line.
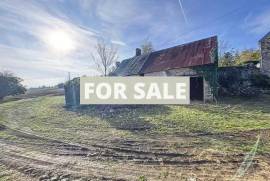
(184, 44)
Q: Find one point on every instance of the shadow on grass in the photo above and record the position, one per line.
(260, 103)
(255, 107)
(125, 117)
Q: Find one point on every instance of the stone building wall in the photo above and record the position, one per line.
(208, 93)
(265, 51)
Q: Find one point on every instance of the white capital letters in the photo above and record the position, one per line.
(139, 92)
(119, 91)
(88, 89)
(180, 91)
(107, 88)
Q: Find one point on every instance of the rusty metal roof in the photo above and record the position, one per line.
(196, 53)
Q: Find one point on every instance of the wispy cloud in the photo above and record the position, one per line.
(117, 42)
(24, 49)
(258, 24)
(26, 27)
(183, 11)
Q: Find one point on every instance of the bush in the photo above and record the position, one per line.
(10, 85)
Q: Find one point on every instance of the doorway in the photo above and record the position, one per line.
(196, 88)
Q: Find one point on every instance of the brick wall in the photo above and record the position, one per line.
(265, 50)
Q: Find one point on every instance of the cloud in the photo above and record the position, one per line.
(258, 24)
(25, 29)
(119, 43)
(24, 50)
(183, 11)
(121, 12)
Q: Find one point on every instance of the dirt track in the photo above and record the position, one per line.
(117, 160)
(42, 140)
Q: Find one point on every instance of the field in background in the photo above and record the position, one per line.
(42, 140)
(36, 92)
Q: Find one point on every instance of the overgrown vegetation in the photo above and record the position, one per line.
(238, 58)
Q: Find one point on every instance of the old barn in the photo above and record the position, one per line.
(197, 60)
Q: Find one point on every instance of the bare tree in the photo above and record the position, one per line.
(147, 47)
(105, 57)
(223, 47)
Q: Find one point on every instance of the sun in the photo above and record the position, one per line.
(60, 41)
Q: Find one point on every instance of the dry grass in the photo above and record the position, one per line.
(204, 142)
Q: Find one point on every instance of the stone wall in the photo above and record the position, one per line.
(265, 50)
(208, 95)
(237, 81)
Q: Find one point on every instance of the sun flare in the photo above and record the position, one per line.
(60, 41)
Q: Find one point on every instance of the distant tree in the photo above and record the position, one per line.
(227, 59)
(105, 57)
(223, 47)
(147, 47)
(225, 54)
(247, 55)
(60, 85)
(10, 85)
(236, 58)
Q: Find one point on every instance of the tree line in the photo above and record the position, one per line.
(231, 57)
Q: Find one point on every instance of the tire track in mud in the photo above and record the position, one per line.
(122, 152)
(118, 151)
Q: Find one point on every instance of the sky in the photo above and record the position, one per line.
(42, 40)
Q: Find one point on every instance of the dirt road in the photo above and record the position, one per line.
(90, 153)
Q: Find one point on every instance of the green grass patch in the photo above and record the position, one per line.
(47, 116)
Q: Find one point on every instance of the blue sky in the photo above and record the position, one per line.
(29, 30)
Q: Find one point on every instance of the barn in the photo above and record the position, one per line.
(197, 60)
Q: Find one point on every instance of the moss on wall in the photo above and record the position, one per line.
(209, 73)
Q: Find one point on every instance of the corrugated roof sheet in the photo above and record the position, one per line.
(196, 53)
(131, 66)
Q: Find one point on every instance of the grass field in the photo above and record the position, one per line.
(42, 140)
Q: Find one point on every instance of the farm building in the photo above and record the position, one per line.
(265, 51)
(197, 60)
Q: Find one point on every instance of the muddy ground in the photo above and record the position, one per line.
(28, 155)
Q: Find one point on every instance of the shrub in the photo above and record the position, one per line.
(10, 85)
